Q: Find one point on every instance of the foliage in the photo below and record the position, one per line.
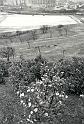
(7, 52)
(42, 92)
(73, 73)
(41, 99)
(44, 29)
(3, 71)
(39, 90)
(34, 35)
(26, 71)
(60, 28)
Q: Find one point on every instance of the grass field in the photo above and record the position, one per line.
(51, 44)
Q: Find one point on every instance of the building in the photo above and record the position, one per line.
(32, 3)
(40, 3)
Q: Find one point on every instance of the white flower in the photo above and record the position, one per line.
(41, 102)
(32, 90)
(18, 92)
(21, 95)
(28, 90)
(29, 104)
(82, 95)
(35, 120)
(38, 96)
(66, 96)
(38, 82)
(43, 79)
(21, 121)
(21, 101)
(41, 82)
(62, 72)
(29, 120)
(24, 104)
(46, 114)
(45, 75)
(57, 94)
(29, 116)
(36, 109)
(50, 85)
(60, 102)
(60, 95)
(31, 112)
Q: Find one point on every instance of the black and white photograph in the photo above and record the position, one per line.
(41, 61)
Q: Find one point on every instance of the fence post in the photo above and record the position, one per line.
(39, 50)
(63, 53)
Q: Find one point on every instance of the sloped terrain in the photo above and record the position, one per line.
(51, 44)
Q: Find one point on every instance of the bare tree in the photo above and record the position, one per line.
(16, 2)
(28, 45)
(20, 3)
(34, 35)
(60, 28)
(18, 34)
(63, 53)
(51, 33)
(44, 29)
(66, 30)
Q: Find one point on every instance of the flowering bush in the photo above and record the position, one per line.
(41, 92)
(42, 98)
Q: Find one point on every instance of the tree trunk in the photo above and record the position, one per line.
(8, 57)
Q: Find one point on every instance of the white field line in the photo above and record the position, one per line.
(75, 19)
(2, 18)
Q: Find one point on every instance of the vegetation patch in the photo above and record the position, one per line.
(38, 91)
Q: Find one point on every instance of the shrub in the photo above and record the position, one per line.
(34, 35)
(3, 71)
(44, 29)
(41, 101)
(45, 100)
(40, 59)
(73, 73)
(7, 52)
(60, 29)
(25, 72)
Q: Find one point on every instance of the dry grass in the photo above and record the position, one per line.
(51, 44)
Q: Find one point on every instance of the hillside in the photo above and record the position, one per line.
(51, 44)
(38, 91)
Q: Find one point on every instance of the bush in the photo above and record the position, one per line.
(34, 35)
(25, 72)
(40, 98)
(3, 71)
(45, 100)
(44, 29)
(73, 73)
(7, 52)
